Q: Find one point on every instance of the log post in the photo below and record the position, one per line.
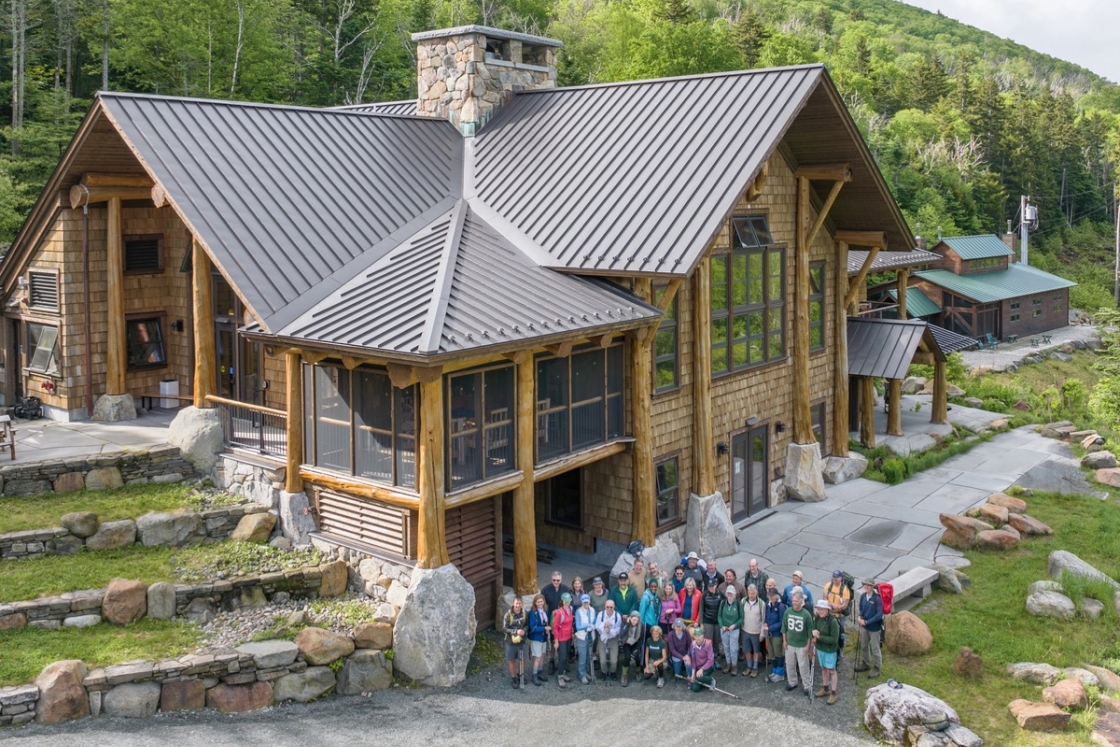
(204, 352)
(867, 411)
(802, 412)
(644, 516)
(524, 495)
(840, 380)
(116, 359)
(703, 474)
(431, 550)
(903, 284)
(940, 394)
(894, 417)
(293, 483)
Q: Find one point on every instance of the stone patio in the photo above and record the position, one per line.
(1006, 354)
(42, 440)
(918, 433)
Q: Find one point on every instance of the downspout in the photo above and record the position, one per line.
(85, 292)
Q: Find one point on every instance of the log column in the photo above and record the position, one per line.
(204, 352)
(894, 416)
(840, 381)
(940, 394)
(802, 412)
(524, 496)
(294, 370)
(867, 411)
(644, 515)
(703, 474)
(431, 538)
(116, 352)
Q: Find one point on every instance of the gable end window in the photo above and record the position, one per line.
(42, 348)
(145, 343)
(143, 254)
(666, 374)
(43, 290)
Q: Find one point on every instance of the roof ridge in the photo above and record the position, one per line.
(347, 110)
(674, 79)
(445, 279)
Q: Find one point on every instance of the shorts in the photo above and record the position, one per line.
(538, 648)
(827, 659)
(513, 650)
(750, 643)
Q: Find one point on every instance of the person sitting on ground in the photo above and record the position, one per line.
(694, 569)
(870, 624)
(679, 642)
(839, 599)
(624, 597)
(678, 579)
(772, 632)
(539, 628)
(584, 637)
(515, 625)
(709, 614)
(563, 620)
(806, 595)
(797, 625)
(657, 655)
(638, 576)
(690, 599)
(750, 642)
(630, 644)
(670, 607)
(758, 578)
(826, 639)
(608, 624)
(730, 619)
(711, 572)
(599, 594)
(700, 662)
(731, 578)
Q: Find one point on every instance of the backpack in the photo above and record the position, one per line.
(849, 582)
(886, 593)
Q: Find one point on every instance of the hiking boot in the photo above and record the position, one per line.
(790, 688)
(821, 692)
(537, 680)
(873, 672)
(861, 667)
(515, 682)
(585, 680)
(562, 682)
(754, 673)
(832, 698)
(661, 682)
(726, 668)
(625, 680)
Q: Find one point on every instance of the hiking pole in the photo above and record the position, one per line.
(521, 663)
(710, 687)
(812, 660)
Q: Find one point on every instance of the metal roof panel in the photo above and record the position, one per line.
(978, 247)
(882, 348)
(988, 287)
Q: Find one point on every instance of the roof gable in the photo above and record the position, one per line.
(977, 247)
(987, 287)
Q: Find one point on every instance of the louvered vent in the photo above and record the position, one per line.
(141, 255)
(44, 290)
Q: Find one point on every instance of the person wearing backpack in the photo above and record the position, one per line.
(870, 624)
(826, 639)
(515, 625)
(838, 594)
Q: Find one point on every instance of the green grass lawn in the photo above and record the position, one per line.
(28, 650)
(991, 618)
(44, 511)
(45, 576)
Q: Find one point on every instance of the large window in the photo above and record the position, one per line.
(563, 499)
(668, 492)
(42, 348)
(360, 424)
(579, 400)
(665, 346)
(816, 306)
(480, 416)
(748, 299)
(145, 343)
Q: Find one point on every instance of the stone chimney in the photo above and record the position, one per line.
(465, 74)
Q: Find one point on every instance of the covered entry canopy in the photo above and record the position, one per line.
(884, 348)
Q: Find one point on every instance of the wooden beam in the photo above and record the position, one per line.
(802, 411)
(159, 196)
(316, 356)
(870, 239)
(402, 375)
(822, 216)
(755, 190)
(383, 493)
(81, 195)
(561, 350)
(669, 294)
(840, 379)
(350, 362)
(894, 407)
(924, 359)
(117, 180)
(603, 341)
(644, 514)
(293, 365)
(867, 411)
(483, 490)
(940, 394)
(116, 354)
(431, 537)
(830, 172)
(525, 494)
(856, 283)
(202, 287)
(703, 472)
(518, 356)
(569, 462)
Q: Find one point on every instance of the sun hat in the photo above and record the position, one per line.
(692, 556)
(821, 604)
(565, 597)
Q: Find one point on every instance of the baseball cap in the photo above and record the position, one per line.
(838, 574)
(798, 574)
(584, 599)
(624, 575)
(596, 580)
(730, 590)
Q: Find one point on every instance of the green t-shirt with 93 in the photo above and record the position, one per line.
(798, 627)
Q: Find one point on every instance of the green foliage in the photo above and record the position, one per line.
(894, 469)
(1079, 588)
(956, 370)
(44, 511)
(487, 652)
(346, 612)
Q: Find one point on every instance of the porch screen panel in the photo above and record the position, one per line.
(498, 386)
(616, 405)
(373, 425)
(404, 430)
(588, 390)
(552, 408)
(332, 418)
(465, 398)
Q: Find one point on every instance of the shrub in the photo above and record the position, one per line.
(894, 471)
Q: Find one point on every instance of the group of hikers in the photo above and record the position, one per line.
(679, 624)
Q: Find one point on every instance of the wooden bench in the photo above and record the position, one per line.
(918, 582)
(8, 434)
(1046, 339)
(148, 398)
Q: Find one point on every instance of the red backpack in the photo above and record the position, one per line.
(886, 593)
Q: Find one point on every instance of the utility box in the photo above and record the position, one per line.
(169, 387)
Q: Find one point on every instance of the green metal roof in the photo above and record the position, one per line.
(1017, 280)
(978, 247)
(918, 304)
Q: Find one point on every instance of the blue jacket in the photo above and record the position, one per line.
(871, 610)
(537, 625)
(774, 613)
(650, 609)
(585, 620)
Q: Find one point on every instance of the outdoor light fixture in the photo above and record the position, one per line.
(752, 421)
(779, 427)
(722, 448)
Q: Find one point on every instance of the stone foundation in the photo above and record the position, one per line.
(803, 472)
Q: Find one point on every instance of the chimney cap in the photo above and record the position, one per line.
(490, 33)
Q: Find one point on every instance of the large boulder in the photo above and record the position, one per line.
(335, 576)
(373, 635)
(1035, 673)
(104, 478)
(841, 469)
(198, 434)
(1060, 430)
(161, 601)
(125, 601)
(365, 671)
(1038, 716)
(961, 531)
(1084, 676)
(1106, 730)
(914, 384)
(1028, 525)
(237, 698)
(1109, 680)
(1059, 476)
(1012, 504)
(182, 695)
(296, 520)
(804, 481)
(270, 654)
(434, 634)
(907, 634)
(1045, 603)
(61, 694)
(254, 528)
(888, 711)
(305, 686)
(1061, 561)
(947, 579)
(1099, 460)
(169, 529)
(81, 523)
(320, 646)
(993, 514)
(709, 530)
(132, 700)
(996, 539)
(1069, 694)
(1108, 476)
(113, 535)
(113, 408)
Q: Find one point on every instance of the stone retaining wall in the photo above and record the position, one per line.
(157, 464)
(17, 704)
(213, 525)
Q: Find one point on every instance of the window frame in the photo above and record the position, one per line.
(55, 354)
(142, 317)
(482, 427)
(670, 324)
(544, 410)
(663, 493)
(821, 434)
(53, 275)
(158, 238)
(818, 297)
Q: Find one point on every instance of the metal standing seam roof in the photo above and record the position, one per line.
(286, 196)
(918, 304)
(950, 341)
(883, 348)
(978, 247)
(889, 260)
(400, 108)
(459, 285)
(987, 287)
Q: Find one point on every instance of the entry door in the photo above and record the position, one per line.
(239, 365)
(750, 488)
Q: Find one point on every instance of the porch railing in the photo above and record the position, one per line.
(252, 427)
